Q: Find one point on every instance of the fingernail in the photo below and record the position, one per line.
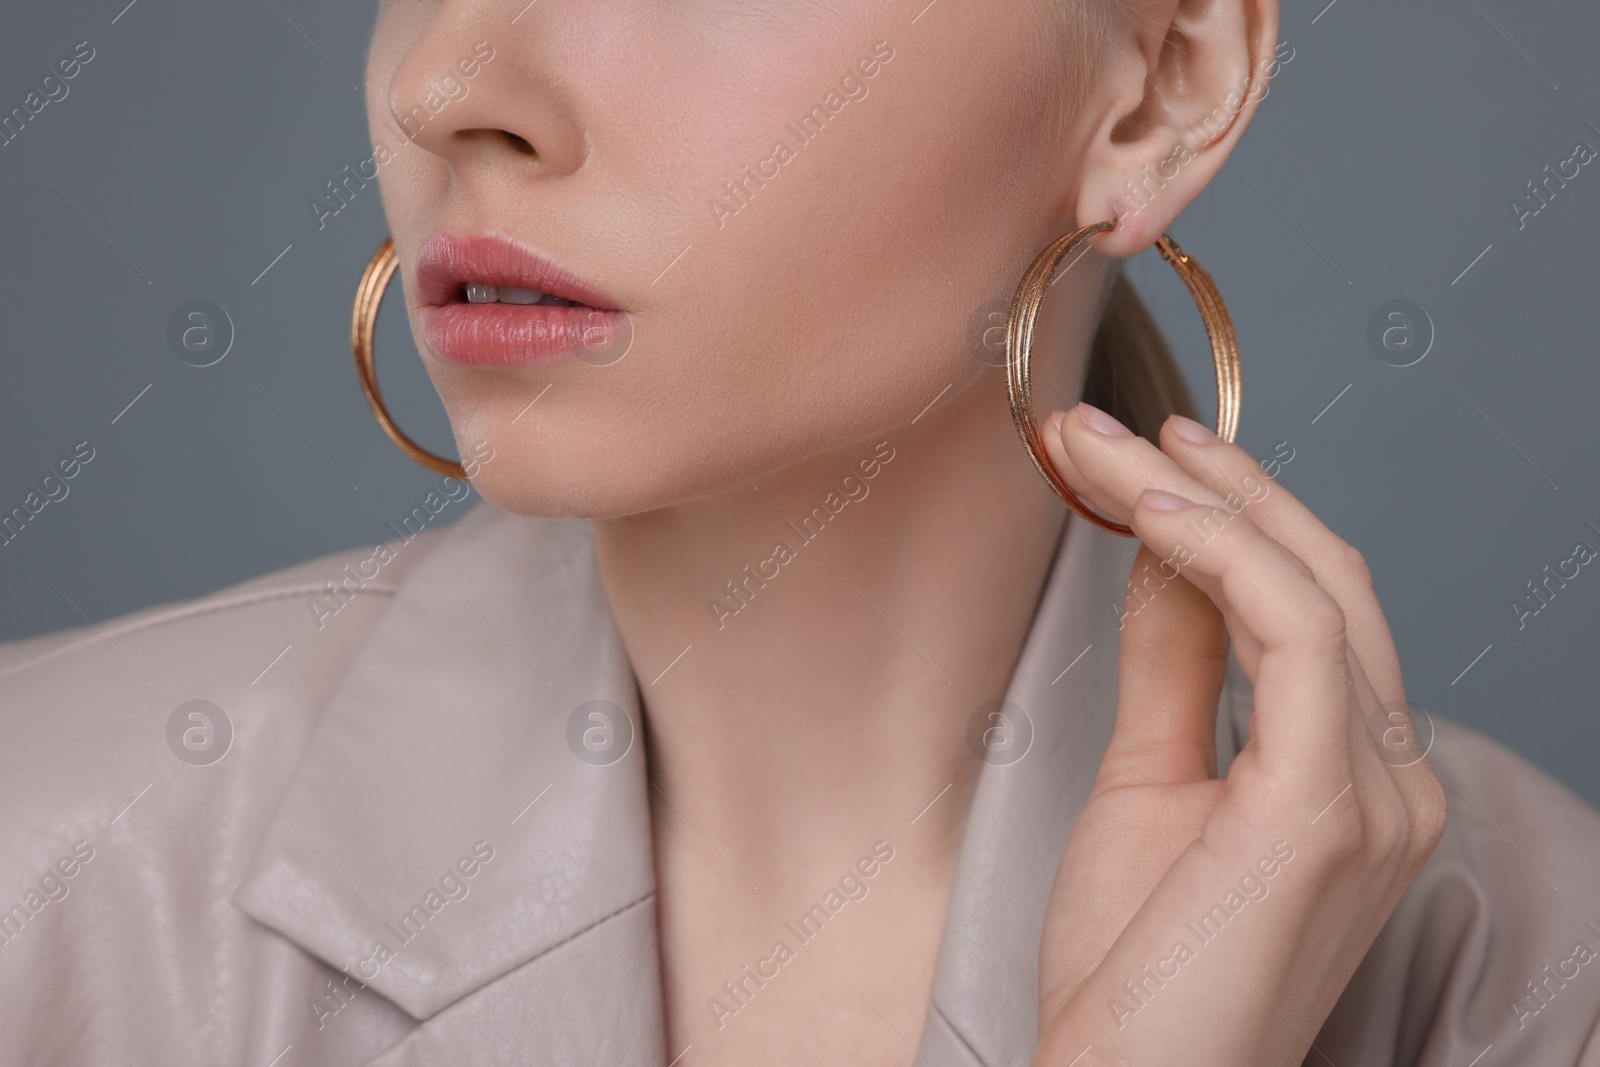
(1100, 422)
(1193, 432)
(1161, 500)
(1053, 423)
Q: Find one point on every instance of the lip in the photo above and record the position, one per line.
(506, 334)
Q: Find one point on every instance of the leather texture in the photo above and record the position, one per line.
(400, 861)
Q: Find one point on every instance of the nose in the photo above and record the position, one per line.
(478, 91)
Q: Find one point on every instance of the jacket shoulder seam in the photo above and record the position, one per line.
(192, 610)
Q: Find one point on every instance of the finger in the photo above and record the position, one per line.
(1113, 498)
(1105, 461)
(1335, 564)
(1304, 685)
(1120, 474)
(1290, 633)
(1173, 659)
(1050, 434)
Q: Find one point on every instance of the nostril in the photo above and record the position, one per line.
(519, 143)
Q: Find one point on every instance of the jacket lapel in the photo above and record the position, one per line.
(443, 840)
(985, 1009)
(593, 999)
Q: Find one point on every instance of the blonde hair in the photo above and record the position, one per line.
(1131, 370)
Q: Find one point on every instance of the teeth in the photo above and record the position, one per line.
(478, 293)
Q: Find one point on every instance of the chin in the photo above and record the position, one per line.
(595, 468)
(561, 483)
(573, 463)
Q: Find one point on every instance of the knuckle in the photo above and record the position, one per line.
(1404, 830)
(1324, 623)
(1390, 832)
(1431, 814)
(1354, 565)
(1343, 837)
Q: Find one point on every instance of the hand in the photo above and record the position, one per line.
(1207, 921)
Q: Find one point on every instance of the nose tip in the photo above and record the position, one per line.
(429, 83)
(477, 106)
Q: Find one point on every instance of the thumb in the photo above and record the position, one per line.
(1174, 656)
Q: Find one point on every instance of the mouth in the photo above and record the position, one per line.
(489, 302)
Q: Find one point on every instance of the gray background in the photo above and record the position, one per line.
(1380, 168)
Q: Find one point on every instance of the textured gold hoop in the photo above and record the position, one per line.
(363, 324)
(1019, 349)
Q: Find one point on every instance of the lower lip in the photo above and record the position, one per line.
(500, 335)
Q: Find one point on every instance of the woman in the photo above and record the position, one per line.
(773, 712)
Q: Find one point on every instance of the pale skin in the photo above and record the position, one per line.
(773, 350)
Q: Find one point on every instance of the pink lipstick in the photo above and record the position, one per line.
(488, 302)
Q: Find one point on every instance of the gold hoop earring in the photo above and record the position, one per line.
(363, 324)
(1019, 349)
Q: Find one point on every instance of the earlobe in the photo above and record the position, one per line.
(1183, 79)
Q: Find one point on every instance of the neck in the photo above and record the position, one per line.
(810, 652)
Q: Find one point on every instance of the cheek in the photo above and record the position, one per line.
(842, 291)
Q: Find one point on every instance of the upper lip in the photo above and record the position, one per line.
(447, 264)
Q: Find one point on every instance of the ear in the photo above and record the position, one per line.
(1181, 80)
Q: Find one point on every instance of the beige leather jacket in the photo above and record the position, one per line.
(398, 858)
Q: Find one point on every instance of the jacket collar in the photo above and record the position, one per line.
(416, 767)
(444, 751)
